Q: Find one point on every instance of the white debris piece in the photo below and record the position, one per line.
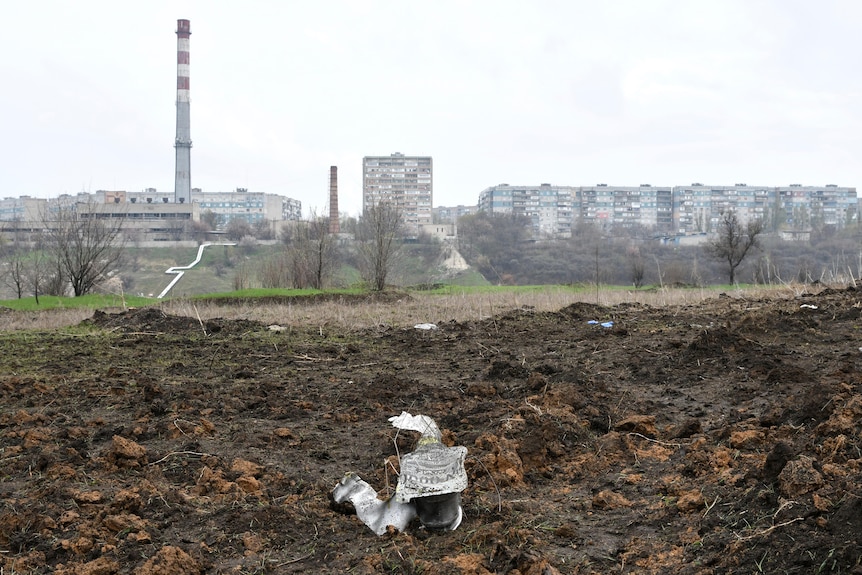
(425, 326)
(375, 513)
(421, 423)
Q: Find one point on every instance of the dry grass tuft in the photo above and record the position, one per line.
(11, 320)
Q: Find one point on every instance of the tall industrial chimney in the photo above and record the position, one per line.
(183, 144)
(334, 226)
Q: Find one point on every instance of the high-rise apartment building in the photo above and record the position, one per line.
(548, 207)
(698, 208)
(625, 206)
(803, 207)
(404, 181)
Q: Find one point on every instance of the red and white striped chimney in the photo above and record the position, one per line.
(183, 143)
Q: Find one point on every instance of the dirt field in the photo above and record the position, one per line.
(723, 437)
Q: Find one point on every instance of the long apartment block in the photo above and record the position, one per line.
(684, 210)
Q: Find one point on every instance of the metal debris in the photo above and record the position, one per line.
(376, 513)
(429, 486)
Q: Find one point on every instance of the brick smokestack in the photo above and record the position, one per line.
(334, 226)
(183, 142)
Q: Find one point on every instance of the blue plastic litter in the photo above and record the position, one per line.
(608, 324)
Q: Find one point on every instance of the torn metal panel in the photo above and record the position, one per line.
(375, 513)
(429, 486)
(433, 469)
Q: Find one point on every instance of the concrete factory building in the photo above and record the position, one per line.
(404, 181)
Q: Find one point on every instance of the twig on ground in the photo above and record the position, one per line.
(204, 329)
(535, 408)
(172, 453)
(769, 529)
(296, 560)
(665, 443)
(494, 483)
(306, 357)
(709, 507)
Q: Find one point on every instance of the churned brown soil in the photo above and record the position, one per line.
(723, 437)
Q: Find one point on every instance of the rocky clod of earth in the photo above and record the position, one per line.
(722, 437)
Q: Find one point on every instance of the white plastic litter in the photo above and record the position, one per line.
(425, 326)
(808, 306)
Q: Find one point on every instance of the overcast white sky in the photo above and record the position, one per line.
(569, 92)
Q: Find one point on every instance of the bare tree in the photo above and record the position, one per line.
(86, 243)
(238, 228)
(176, 229)
(39, 272)
(310, 254)
(733, 241)
(319, 248)
(637, 267)
(200, 230)
(263, 230)
(16, 273)
(378, 229)
(274, 272)
(43, 272)
(210, 218)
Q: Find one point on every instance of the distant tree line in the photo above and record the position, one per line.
(72, 255)
(310, 254)
(500, 247)
(75, 256)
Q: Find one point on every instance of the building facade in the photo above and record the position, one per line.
(698, 208)
(407, 182)
(548, 207)
(145, 222)
(625, 206)
(806, 207)
(253, 207)
(672, 210)
(150, 215)
(23, 209)
(450, 214)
